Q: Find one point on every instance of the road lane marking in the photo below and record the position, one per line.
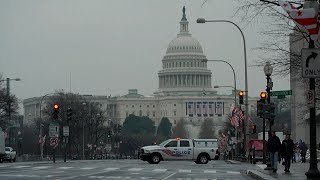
(233, 172)
(21, 166)
(209, 171)
(159, 170)
(169, 176)
(184, 171)
(19, 175)
(111, 169)
(41, 167)
(135, 169)
(65, 167)
(200, 179)
(88, 168)
(262, 166)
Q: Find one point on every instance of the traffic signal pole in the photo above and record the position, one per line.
(313, 171)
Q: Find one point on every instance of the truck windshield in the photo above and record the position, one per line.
(164, 143)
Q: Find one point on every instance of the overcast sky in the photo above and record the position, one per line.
(110, 46)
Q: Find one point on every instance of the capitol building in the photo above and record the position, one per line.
(185, 90)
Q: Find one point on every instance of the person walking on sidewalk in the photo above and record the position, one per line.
(287, 151)
(304, 149)
(274, 146)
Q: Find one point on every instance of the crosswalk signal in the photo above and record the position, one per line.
(109, 134)
(254, 129)
(241, 94)
(119, 128)
(55, 111)
(69, 114)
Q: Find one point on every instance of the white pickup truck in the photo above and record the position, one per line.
(198, 150)
(10, 155)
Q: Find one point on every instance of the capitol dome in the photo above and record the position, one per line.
(184, 66)
(184, 43)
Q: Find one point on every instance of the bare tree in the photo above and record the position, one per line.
(86, 116)
(180, 130)
(207, 129)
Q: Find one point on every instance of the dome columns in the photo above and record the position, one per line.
(185, 80)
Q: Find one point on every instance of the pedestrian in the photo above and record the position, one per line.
(304, 149)
(287, 151)
(274, 146)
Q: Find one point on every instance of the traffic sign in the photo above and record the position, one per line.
(53, 130)
(65, 130)
(54, 141)
(310, 98)
(281, 93)
(310, 63)
(281, 96)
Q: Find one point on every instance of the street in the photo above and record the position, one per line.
(125, 169)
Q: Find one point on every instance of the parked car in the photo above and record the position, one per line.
(10, 154)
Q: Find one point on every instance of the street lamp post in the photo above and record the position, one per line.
(267, 71)
(235, 105)
(235, 87)
(202, 20)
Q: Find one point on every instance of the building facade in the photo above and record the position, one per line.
(185, 90)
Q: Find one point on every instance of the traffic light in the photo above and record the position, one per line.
(55, 111)
(270, 111)
(260, 108)
(263, 96)
(119, 128)
(254, 128)
(109, 134)
(69, 114)
(241, 94)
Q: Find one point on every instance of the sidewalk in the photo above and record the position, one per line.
(297, 171)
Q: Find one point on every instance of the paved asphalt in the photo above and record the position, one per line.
(125, 169)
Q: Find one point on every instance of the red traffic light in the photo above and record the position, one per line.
(263, 95)
(56, 106)
(241, 93)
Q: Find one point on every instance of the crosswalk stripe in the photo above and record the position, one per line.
(159, 170)
(88, 168)
(65, 167)
(209, 171)
(185, 170)
(135, 169)
(233, 172)
(42, 167)
(21, 166)
(111, 169)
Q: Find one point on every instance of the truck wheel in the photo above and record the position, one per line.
(203, 159)
(155, 158)
(197, 162)
(14, 160)
(1, 159)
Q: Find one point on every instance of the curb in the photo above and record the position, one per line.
(259, 175)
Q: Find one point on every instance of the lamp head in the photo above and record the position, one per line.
(268, 69)
(201, 20)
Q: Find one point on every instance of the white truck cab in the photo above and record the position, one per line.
(198, 150)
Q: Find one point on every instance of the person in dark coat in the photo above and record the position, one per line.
(304, 149)
(287, 151)
(274, 146)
